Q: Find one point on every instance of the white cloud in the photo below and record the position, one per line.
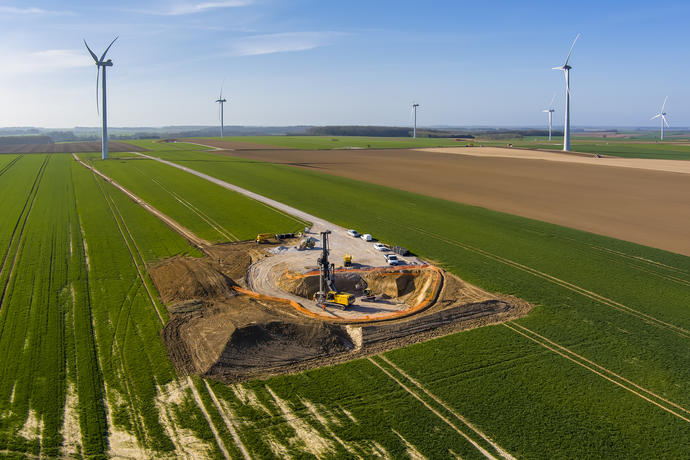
(183, 8)
(46, 61)
(280, 43)
(29, 11)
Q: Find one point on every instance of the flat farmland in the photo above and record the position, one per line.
(67, 147)
(643, 206)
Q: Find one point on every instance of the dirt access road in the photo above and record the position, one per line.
(645, 206)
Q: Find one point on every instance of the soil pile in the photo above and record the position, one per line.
(183, 279)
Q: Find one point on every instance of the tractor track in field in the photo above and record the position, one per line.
(17, 237)
(503, 453)
(11, 163)
(448, 422)
(136, 249)
(565, 284)
(228, 423)
(601, 371)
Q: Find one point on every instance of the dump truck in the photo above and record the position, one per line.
(264, 237)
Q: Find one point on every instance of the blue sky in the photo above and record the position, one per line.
(288, 62)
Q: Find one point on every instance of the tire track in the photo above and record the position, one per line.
(435, 412)
(567, 354)
(228, 422)
(565, 284)
(9, 164)
(200, 403)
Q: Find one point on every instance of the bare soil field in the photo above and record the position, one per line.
(645, 206)
(70, 147)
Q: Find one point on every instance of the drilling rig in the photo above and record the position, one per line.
(328, 294)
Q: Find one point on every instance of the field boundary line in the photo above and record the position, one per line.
(570, 286)
(620, 377)
(200, 403)
(503, 453)
(598, 373)
(437, 413)
(228, 422)
(271, 204)
(175, 226)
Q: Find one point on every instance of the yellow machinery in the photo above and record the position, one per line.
(263, 237)
(341, 299)
(347, 260)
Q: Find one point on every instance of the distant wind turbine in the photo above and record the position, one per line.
(221, 101)
(566, 71)
(101, 63)
(414, 111)
(662, 115)
(550, 112)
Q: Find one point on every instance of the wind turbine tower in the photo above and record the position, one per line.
(221, 101)
(662, 116)
(550, 112)
(101, 63)
(566, 71)
(414, 110)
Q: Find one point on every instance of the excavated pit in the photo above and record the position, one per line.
(217, 332)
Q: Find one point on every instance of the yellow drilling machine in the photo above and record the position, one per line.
(328, 295)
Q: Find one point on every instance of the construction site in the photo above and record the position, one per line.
(286, 303)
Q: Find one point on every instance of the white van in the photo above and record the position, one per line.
(366, 237)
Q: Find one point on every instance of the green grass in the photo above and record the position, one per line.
(340, 142)
(588, 407)
(210, 211)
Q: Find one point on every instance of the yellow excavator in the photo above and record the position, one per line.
(264, 237)
(328, 295)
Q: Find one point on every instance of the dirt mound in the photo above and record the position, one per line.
(183, 279)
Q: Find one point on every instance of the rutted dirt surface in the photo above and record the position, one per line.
(648, 207)
(217, 332)
(70, 147)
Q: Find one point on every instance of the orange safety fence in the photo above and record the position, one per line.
(365, 319)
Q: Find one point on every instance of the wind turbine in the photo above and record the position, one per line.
(414, 110)
(566, 71)
(550, 112)
(221, 101)
(101, 63)
(662, 115)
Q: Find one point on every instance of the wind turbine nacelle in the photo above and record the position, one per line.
(108, 63)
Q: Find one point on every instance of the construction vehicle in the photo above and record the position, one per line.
(328, 295)
(264, 237)
(305, 243)
(347, 260)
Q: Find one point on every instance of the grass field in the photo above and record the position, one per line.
(615, 308)
(598, 369)
(340, 142)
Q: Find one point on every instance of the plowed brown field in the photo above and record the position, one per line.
(643, 206)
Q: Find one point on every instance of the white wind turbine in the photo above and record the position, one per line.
(101, 63)
(221, 101)
(414, 111)
(566, 71)
(662, 115)
(550, 112)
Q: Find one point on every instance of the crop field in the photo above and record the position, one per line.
(598, 369)
(599, 365)
(334, 142)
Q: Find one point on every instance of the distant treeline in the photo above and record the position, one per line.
(381, 131)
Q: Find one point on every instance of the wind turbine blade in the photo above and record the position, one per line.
(665, 122)
(106, 50)
(664, 104)
(655, 116)
(552, 99)
(571, 50)
(93, 55)
(98, 79)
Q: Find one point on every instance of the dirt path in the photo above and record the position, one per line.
(645, 206)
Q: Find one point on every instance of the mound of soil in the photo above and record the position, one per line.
(183, 279)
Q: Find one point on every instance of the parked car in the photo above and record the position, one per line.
(392, 259)
(366, 237)
(401, 250)
(380, 247)
(353, 233)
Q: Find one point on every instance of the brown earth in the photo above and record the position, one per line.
(643, 206)
(70, 147)
(216, 332)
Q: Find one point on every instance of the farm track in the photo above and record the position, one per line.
(133, 248)
(565, 284)
(17, 237)
(435, 411)
(601, 371)
(11, 163)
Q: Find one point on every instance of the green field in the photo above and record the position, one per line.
(341, 142)
(599, 369)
